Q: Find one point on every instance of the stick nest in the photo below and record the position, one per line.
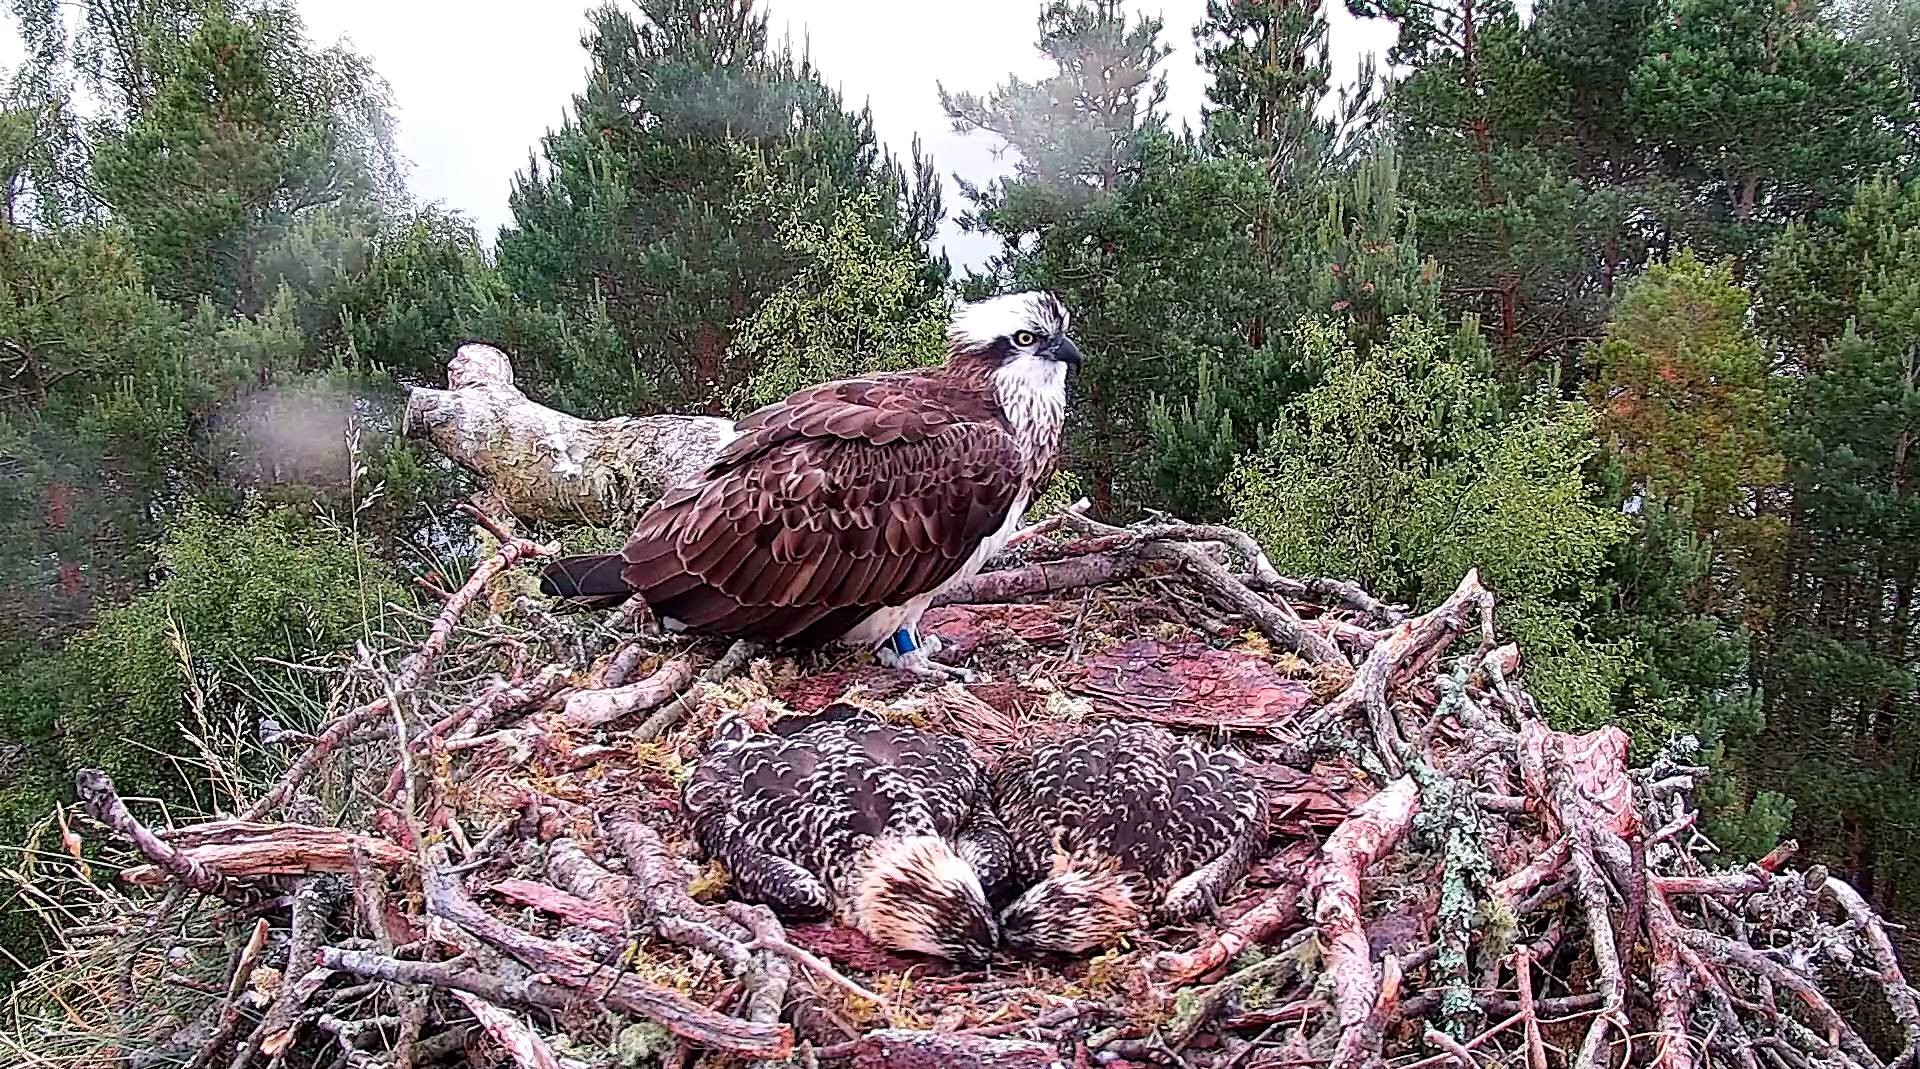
(475, 855)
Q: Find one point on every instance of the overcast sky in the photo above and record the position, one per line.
(476, 82)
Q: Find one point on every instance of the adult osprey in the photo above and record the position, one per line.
(1119, 824)
(840, 814)
(842, 511)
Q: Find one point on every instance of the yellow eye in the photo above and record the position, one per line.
(1023, 338)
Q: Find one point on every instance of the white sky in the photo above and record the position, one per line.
(476, 82)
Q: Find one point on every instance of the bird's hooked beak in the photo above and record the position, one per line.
(1064, 351)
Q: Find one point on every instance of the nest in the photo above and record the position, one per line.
(478, 856)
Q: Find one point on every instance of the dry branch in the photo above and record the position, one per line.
(96, 792)
(1579, 912)
(237, 849)
(546, 465)
(592, 708)
(902, 1049)
(522, 1043)
(1369, 834)
(570, 967)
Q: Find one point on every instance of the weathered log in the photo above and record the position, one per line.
(239, 849)
(546, 465)
(98, 794)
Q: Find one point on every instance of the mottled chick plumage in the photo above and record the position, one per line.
(1119, 825)
(840, 815)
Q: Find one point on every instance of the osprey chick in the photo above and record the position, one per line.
(841, 815)
(1121, 824)
(843, 510)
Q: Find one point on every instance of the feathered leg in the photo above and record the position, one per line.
(985, 844)
(792, 892)
(1200, 891)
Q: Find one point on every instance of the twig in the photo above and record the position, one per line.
(1523, 976)
(97, 793)
(1042, 577)
(1368, 834)
(1277, 625)
(522, 1043)
(1754, 961)
(569, 966)
(663, 721)
(1452, 1046)
(310, 759)
(768, 936)
(237, 988)
(280, 1027)
(413, 671)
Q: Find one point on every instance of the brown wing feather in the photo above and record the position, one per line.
(843, 499)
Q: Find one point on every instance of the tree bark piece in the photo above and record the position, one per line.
(101, 799)
(547, 465)
(239, 849)
(570, 908)
(1373, 830)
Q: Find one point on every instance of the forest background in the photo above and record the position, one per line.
(1616, 300)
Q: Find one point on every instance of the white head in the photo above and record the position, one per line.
(917, 894)
(1074, 912)
(1020, 340)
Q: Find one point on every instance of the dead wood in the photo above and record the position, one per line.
(237, 849)
(102, 801)
(546, 465)
(1597, 932)
(592, 708)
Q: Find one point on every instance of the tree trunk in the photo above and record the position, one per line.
(547, 465)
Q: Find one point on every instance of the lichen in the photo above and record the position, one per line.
(642, 1044)
(1452, 822)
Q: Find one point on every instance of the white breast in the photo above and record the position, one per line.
(1033, 394)
(875, 630)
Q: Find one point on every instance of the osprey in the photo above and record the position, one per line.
(1117, 825)
(844, 510)
(842, 815)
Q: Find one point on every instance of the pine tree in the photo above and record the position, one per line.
(1143, 234)
(1767, 111)
(235, 129)
(1838, 663)
(1076, 129)
(635, 203)
(1479, 125)
(1686, 394)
